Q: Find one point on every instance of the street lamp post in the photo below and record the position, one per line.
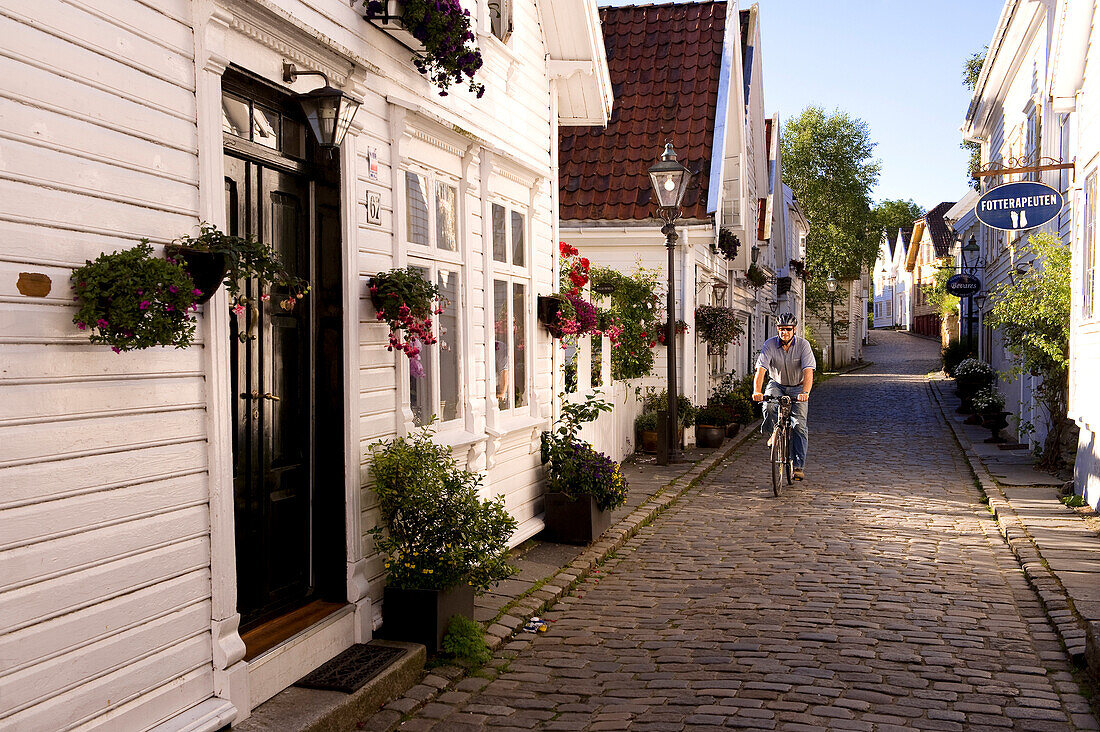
(972, 249)
(670, 179)
(830, 285)
(979, 300)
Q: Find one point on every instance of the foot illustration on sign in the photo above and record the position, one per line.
(1015, 219)
(1023, 219)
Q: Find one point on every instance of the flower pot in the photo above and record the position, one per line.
(649, 441)
(207, 269)
(995, 422)
(421, 616)
(574, 521)
(709, 436)
(547, 309)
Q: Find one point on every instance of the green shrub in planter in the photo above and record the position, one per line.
(437, 533)
(646, 422)
(715, 415)
(655, 401)
(953, 354)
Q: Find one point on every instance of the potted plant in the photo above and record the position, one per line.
(405, 301)
(236, 260)
(718, 326)
(971, 375)
(727, 244)
(583, 485)
(711, 422)
(442, 542)
(989, 404)
(444, 49)
(735, 396)
(645, 427)
(130, 300)
(756, 276)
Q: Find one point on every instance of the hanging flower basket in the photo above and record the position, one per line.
(207, 269)
(718, 326)
(549, 307)
(727, 244)
(131, 300)
(439, 34)
(756, 276)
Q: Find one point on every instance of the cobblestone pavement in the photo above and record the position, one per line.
(875, 595)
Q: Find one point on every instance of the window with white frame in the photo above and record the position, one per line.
(1088, 250)
(511, 295)
(431, 234)
(498, 18)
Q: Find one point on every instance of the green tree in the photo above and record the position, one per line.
(1032, 315)
(972, 69)
(891, 215)
(938, 298)
(827, 163)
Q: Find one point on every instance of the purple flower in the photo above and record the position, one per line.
(173, 289)
(196, 292)
(101, 323)
(116, 349)
(144, 305)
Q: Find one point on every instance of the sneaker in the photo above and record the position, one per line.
(798, 474)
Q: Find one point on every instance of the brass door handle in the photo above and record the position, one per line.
(271, 397)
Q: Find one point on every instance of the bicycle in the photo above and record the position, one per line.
(782, 462)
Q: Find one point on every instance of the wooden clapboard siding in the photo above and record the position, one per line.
(105, 589)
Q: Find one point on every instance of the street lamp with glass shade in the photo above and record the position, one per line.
(328, 110)
(670, 181)
(830, 285)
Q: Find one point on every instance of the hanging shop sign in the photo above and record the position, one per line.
(963, 285)
(1018, 206)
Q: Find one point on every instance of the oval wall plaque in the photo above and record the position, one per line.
(1018, 206)
(963, 285)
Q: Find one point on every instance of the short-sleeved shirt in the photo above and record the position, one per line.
(785, 367)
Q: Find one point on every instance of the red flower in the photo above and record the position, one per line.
(566, 250)
(585, 264)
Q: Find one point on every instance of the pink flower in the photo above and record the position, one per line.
(238, 309)
(144, 305)
(265, 297)
(101, 323)
(173, 289)
(196, 292)
(116, 349)
(82, 326)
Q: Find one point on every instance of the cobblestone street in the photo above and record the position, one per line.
(875, 595)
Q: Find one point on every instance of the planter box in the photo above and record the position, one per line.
(547, 309)
(571, 521)
(421, 616)
(390, 22)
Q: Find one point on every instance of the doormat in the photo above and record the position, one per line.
(353, 668)
(1013, 446)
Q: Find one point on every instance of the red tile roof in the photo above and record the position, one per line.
(664, 61)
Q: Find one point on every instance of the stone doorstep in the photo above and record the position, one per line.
(1053, 594)
(317, 710)
(562, 581)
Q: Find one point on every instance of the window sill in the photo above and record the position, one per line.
(456, 437)
(508, 424)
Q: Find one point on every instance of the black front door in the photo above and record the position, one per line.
(285, 363)
(270, 372)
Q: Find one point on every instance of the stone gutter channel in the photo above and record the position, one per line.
(444, 680)
(1079, 632)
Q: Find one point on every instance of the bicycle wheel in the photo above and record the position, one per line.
(778, 451)
(788, 462)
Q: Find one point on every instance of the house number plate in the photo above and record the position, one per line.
(374, 207)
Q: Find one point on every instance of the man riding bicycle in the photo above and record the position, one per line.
(789, 363)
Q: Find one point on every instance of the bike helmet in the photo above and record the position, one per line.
(786, 319)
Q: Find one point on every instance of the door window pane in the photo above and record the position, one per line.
(500, 342)
(446, 217)
(517, 239)
(500, 234)
(449, 392)
(420, 370)
(234, 116)
(519, 339)
(293, 143)
(416, 208)
(265, 127)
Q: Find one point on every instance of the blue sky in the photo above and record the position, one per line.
(895, 64)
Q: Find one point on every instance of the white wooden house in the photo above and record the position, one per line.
(1073, 95)
(714, 71)
(1013, 115)
(139, 550)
